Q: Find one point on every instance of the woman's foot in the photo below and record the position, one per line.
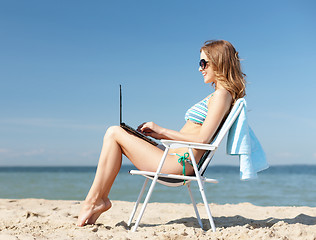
(95, 216)
(90, 212)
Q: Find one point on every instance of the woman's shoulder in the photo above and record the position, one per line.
(221, 95)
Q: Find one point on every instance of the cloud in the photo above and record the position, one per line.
(3, 150)
(50, 122)
(88, 154)
(286, 155)
(35, 152)
(14, 153)
(307, 121)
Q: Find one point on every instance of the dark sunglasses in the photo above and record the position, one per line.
(203, 63)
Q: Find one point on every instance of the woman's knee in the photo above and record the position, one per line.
(112, 132)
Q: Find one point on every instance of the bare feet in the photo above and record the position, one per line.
(90, 212)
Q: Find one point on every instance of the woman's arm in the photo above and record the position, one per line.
(218, 106)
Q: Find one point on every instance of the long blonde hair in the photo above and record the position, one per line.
(226, 66)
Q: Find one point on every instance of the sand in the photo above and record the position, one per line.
(52, 219)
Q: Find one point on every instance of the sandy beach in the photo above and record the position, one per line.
(52, 219)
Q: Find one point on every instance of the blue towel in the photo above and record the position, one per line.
(242, 141)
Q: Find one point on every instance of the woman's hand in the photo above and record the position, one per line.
(151, 129)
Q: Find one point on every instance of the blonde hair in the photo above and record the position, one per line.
(225, 62)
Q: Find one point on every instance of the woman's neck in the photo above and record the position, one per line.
(218, 86)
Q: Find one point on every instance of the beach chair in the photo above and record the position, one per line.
(174, 180)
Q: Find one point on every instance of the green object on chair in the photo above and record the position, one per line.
(183, 159)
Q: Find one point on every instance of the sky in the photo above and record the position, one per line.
(61, 63)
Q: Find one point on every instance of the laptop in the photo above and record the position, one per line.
(130, 129)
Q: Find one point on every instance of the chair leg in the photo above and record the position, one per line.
(208, 211)
(137, 202)
(194, 206)
(150, 189)
(199, 180)
(144, 204)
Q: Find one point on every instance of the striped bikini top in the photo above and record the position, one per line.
(198, 112)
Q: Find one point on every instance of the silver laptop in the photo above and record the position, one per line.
(130, 129)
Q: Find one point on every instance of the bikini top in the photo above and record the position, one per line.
(198, 112)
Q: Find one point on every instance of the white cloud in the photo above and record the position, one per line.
(3, 150)
(307, 121)
(16, 153)
(50, 122)
(35, 152)
(286, 155)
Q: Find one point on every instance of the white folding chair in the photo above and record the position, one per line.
(174, 180)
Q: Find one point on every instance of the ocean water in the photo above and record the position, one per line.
(276, 186)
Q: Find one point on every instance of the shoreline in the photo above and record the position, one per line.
(56, 219)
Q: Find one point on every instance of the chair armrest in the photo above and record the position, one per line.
(182, 144)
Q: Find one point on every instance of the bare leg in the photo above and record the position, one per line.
(117, 142)
(109, 165)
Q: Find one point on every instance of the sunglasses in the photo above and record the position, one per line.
(203, 63)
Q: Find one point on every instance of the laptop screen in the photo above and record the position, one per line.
(121, 104)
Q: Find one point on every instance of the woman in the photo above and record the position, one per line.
(220, 66)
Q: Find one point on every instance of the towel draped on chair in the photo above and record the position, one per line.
(242, 141)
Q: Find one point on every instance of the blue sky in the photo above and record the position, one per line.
(62, 62)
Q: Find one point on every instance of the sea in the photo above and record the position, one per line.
(293, 185)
